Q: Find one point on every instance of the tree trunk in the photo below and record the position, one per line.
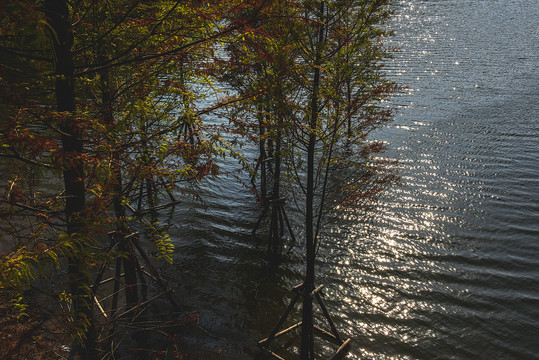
(61, 37)
(307, 336)
(262, 154)
(275, 248)
(130, 261)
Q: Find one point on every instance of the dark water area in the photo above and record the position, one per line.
(445, 266)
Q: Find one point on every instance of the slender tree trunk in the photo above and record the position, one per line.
(275, 206)
(129, 261)
(61, 37)
(348, 110)
(307, 336)
(262, 155)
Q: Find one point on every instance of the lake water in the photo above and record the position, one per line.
(445, 266)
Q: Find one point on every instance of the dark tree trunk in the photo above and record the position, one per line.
(348, 110)
(61, 38)
(307, 336)
(262, 155)
(129, 261)
(276, 230)
(307, 340)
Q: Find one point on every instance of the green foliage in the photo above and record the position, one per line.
(161, 240)
(20, 307)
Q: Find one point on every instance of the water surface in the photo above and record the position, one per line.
(446, 266)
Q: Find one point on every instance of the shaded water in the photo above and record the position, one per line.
(447, 265)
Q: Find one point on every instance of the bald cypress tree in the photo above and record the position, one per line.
(338, 89)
